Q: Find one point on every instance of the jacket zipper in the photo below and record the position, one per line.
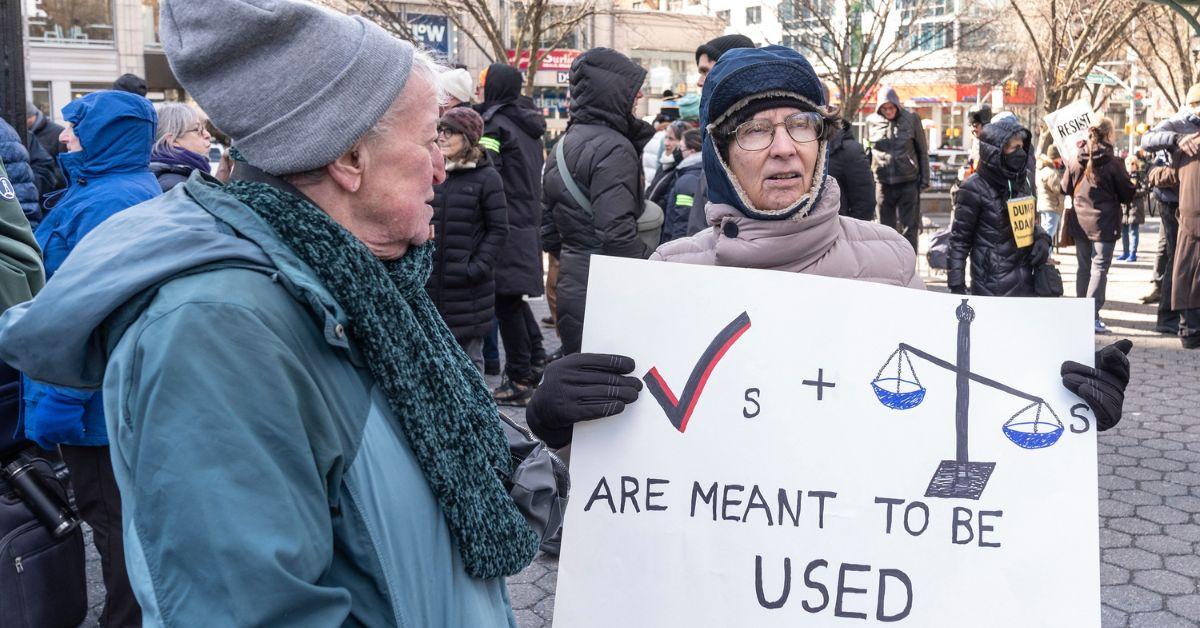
(20, 567)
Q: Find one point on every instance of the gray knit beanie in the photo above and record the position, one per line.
(295, 85)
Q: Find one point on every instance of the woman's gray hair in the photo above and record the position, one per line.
(424, 66)
(174, 119)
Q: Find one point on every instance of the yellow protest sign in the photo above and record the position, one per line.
(1021, 216)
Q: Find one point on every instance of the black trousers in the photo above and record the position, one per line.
(99, 504)
(899, 207)
(1166, 260)
(521, 337)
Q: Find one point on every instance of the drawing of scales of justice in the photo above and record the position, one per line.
(963, 477)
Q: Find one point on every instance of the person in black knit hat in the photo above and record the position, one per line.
(708, 52)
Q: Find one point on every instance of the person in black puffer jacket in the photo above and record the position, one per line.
(512, 136)
(1099, 185)
(469, 227)
(848, 164)
(981, 230)
(20, 174)
(602, 145)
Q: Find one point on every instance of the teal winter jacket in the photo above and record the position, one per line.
(263, 477)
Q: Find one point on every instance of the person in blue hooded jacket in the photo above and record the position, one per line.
(20, 173)
(108, 165)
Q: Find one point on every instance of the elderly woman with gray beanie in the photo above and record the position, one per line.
(181, 143)
(773, 205)
(297, 437)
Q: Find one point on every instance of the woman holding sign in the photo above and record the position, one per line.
(994, 222)
(772, 205)
(1099, 185)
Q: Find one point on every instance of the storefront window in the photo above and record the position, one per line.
(150, 23)
(71, 22)
(79, 90)
(40, 96)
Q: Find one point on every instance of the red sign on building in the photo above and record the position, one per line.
(557, 59)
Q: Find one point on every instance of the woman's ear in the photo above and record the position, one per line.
(347, 170)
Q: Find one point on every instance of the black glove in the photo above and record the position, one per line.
(580, 387)
(958, 289)
(1103, 387)
(1039, 253)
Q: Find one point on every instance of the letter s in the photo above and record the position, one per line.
(751, 397)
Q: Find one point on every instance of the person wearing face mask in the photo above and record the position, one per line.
(470, 224)
(981, 230)
(181, 144)
(772, 206)
(1099, 185)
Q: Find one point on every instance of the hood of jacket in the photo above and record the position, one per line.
(502, 85)
(887, 94)
(116, 131)
(528, 119)
(60, 337)
(992, 140)
(742, 76)
(604, 85)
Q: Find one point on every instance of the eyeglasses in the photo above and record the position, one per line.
(445, 132)
(199, 130)
(757, 134)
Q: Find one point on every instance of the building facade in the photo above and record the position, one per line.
(75, 47)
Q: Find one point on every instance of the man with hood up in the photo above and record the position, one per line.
(900, 157)
(108, 164)
(512, 135)
(600, 149)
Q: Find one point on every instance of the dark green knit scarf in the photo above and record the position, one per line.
(433, 389)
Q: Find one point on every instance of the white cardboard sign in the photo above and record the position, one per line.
(1069, 125)
(797, 457)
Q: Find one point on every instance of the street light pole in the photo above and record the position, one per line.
(12, 68)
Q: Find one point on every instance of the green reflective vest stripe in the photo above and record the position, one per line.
(684, 200)
(490, 143)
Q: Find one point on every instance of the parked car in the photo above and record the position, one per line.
(944, 164)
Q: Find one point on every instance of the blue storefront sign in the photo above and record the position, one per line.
(432, 32)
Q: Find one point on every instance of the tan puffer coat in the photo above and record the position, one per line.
(821, 243)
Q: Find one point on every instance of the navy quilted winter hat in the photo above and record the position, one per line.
(747, 80)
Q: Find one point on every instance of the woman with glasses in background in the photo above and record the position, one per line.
(470, 224)
(181, 144)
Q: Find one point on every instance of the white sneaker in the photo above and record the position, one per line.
(1100, 328)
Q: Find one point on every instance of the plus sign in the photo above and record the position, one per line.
(820, 383)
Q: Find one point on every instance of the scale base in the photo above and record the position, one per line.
(963, 480)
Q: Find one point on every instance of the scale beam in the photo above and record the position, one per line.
(973, 376)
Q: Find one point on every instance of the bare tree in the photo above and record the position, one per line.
(384, 13)
(858, 43)
(1069, 37)
(528, 28)
(1161, 39)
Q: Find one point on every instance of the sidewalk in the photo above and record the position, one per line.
(1149, 470)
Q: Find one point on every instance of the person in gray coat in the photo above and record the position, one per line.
(900, 157)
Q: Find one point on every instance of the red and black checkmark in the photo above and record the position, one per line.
(680, 410)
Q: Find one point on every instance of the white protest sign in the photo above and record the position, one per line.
(1069, 125)
(798, 457)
